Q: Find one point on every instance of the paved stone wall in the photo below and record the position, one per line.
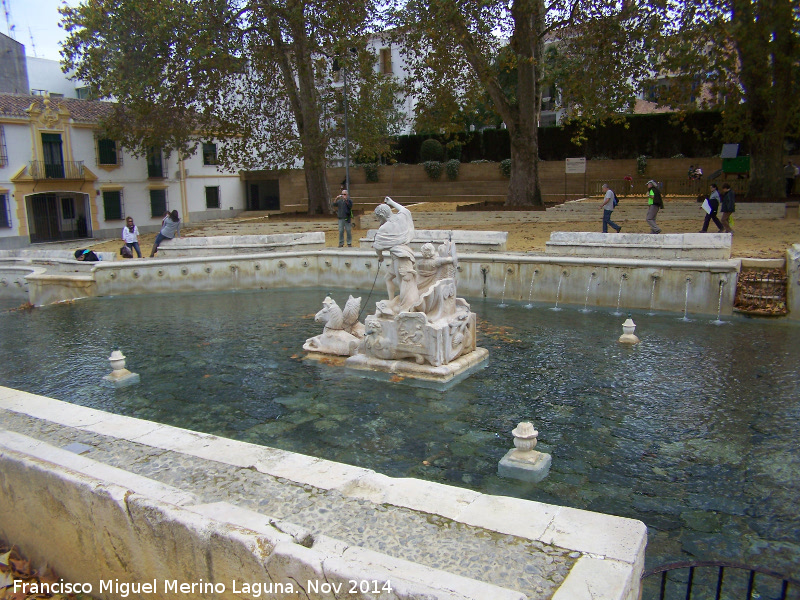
(103, 497)
(650, 284)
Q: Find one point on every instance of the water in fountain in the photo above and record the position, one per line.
(719, 304)
(653, 298)
(558, 291)
(503, 297)
(530, 293)
(686, 302)
(229, 364)
(622, 278)
(588, 286)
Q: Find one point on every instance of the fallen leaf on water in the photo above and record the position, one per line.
(396, 378)
(206, 376)
(425, 462)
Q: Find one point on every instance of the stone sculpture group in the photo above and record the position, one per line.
(422, 320)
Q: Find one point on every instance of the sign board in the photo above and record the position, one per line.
(576, 165)
(729, 151)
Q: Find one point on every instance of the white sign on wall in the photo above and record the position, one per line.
(576, 165)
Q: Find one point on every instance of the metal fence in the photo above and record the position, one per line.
(717, 580)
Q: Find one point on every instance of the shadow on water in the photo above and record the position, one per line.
(693, 431)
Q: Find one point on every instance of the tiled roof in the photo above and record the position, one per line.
(82, 111)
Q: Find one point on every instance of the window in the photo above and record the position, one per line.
(212, 197)
(158, 203)
(209, 154)
(386, 61)
(84, 93)
(112, 205)
(53, 157)
(155, 163)
(3, 148)
(107, 152)
(67, 209)
(5, 211)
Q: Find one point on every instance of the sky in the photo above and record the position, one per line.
(37, 19)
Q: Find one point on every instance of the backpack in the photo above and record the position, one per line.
(615, 201)
(125, 252)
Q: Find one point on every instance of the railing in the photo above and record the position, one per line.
(41, 170)
(669, 187)
(707, 579)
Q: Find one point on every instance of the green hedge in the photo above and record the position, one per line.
(656, 136)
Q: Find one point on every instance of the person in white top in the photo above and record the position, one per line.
(608, 208)
(130, 235)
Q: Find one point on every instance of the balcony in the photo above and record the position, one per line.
(41, 170)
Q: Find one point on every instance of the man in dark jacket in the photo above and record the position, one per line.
(727, 206)
(713, 203)
(344, 207)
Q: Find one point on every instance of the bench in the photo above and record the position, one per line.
(223, 245)
(466, 241)
(697, 246)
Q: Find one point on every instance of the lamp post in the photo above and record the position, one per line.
(346, 138)
(354, 52)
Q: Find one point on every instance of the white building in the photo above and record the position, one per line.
(59, 179)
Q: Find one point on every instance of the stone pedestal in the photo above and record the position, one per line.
(121, 378)
(529, 466)
(405, 368)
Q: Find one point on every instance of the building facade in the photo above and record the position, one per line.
(60, 179)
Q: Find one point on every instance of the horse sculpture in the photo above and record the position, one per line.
(342, 333)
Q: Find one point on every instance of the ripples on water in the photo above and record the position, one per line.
(693, 431)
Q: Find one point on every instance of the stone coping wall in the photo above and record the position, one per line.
(103, 497)
(697, 246)
(50, 255)
(240, 244)
(649, 284)
(466, 241)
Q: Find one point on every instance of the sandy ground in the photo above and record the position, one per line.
(753, 238)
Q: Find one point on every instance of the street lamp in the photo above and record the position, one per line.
(354, 52)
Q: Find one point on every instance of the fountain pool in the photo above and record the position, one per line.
(692, 431)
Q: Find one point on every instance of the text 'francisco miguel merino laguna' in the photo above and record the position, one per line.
(123, 589)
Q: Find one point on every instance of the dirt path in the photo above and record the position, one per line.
(753, 238)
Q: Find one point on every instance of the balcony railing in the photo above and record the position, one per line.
(41, 170)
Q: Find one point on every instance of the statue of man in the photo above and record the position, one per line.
(394, 234)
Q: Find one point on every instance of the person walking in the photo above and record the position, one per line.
(654, 203)
(344, 207)
(171, 227)
(727, 206)
(130, 235)
(609, 203)
(713, 203)
(789, 172)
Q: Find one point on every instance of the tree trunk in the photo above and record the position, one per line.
(523, 189)
(523, 130)
(766, 167)
(305, 106)
(316, 181)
